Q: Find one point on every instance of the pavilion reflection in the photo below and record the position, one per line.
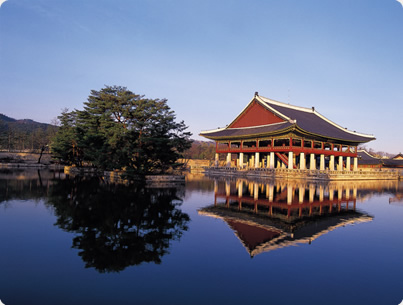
(274, 214)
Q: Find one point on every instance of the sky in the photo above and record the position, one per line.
(208, 57)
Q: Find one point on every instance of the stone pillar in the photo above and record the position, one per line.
(216, 161)
(240, 160)
(268, 161)
(257, 160)
(290, 160)
(348, 164)
(302, 162)
(313, 162)
(321, 193)
(331, 163)
(311, 192)
(271, 193)
(229, 160)
(322, 162)
(331, 194)
(240, 189)
(301, 194)
(289, 194)
(227, 188)
(252, 161)
(355, 164)
(340, 164)
(256, 191)
(271, 160)
(339, 193)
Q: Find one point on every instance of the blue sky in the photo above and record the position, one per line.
(208, 58)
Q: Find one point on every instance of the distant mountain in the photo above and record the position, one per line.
(5, 118)
(25, 124)
(22, 134)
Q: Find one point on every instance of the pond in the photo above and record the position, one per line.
(80, 240)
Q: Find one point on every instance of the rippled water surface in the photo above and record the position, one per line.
(79, 240)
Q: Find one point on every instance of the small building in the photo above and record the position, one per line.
(366, 160)
(398, 157)
(271, 134)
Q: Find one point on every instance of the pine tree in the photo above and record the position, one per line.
(118, 129)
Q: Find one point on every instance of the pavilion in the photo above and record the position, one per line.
(271, 134)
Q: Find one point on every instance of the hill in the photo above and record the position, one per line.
(24, 134)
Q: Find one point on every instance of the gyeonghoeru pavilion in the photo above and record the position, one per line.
(270, 138)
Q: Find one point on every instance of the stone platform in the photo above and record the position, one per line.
(379, 174)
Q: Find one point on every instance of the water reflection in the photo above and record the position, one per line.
(26, 184)
(114, 226)
(270, 215)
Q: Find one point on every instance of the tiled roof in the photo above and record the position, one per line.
(365, 158)
(306, 119)
(313, 122)
(241, 132)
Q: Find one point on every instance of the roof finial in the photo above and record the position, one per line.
(313, 109)
(256, 93)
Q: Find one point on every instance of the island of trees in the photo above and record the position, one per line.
(121, 130)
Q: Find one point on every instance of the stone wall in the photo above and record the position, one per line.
(303, 174)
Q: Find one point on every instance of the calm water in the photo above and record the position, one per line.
(71, 240)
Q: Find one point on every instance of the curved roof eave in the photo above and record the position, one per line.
(334, 138)
(248, 136)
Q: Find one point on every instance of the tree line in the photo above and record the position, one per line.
(24, 135)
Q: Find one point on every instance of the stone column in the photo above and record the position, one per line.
(252, 161)
(301, 194)
(290, 192)
(313, 162)
(302, 162)
(257, 160)
(322, 162)
(340, 165)
(271, 193)
(240, 160)
(339, 193)
(355, 164)
(278, 163)
(256, 191)
(348, 164)
(216, 161)
(229, 160)
(331, 194)
(321, 193)
(268, 161)
(240, 189)
(331, 163)
(290, 160)
(311, 192)
(271, 160)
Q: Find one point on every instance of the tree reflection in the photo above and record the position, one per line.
(117, 226)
